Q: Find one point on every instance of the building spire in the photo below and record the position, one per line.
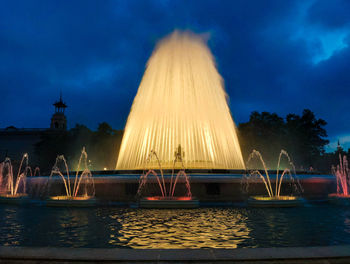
(60, 106)
(59, 120)
(339, 147)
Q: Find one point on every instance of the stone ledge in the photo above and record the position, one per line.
(329, 254)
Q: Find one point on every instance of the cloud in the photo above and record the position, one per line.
(277, 56)
(330, 15)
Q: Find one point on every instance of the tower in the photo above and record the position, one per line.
(58, 119)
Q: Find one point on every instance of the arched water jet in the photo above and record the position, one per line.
(9, 183)
(342, 174)
(37, 171)
(13, 188)
(274, 197)
(167, 186)
(83, 176)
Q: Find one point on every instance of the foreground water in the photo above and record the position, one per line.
(200, 228)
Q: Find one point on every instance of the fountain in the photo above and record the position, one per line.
(181, 100)
(167, 186)
(74, 195)
(274, 197)
(13, 189)
(36, 172)
(342, 174)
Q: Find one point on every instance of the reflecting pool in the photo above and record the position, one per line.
(316, 225)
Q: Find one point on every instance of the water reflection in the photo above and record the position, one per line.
(73, 228)
(11, 227)
(179, 229)
(197, 228)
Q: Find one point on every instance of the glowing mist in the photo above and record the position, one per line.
(181, 100)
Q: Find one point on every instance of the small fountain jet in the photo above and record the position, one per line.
(167, 189)
(9, 183)
(274, 197)
(342, 174)
(13, 188)
(83, 176)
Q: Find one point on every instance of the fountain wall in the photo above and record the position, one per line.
(205, 187)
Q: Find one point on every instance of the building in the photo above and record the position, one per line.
(58, 119)
(14, 142)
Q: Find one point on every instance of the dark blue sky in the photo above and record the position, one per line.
(276, 56)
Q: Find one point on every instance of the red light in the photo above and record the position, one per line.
(154, 198)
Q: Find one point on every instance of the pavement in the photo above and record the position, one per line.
(286, 255)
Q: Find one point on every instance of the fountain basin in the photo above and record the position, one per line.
(19, 198)
(281, 201)
(168, 202)
(339, 199)
(66, 201)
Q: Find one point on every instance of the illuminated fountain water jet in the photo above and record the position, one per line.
(74, 195)
(274, 197)
(167, 185)
(181, 101)
(342, 174)
(13, 188)
(35, 173)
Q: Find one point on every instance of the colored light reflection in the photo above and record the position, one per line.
(340, 195)
(64, 197)
(17, 195)
(179, 229)
(275, 198)
(156, 198)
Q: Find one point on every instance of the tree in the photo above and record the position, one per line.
(306, 136)
(303, 137)
(47, 149)
(105, 146)
(102, 147)
(264, 132)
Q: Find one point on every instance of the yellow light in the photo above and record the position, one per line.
(104, 168)
(181, 101)
(64, 197)
(266, 198)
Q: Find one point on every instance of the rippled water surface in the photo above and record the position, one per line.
(196, 228)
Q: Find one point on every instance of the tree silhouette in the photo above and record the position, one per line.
(102, 147)
(303, 137)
